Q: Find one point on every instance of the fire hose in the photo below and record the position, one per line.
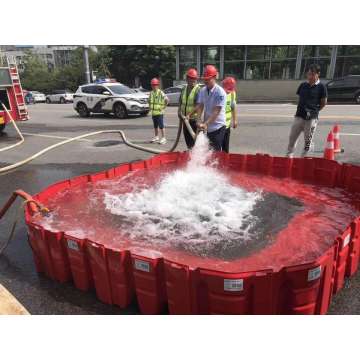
(120, 132)
(35, 206)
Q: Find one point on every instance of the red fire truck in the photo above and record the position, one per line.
(11, 93)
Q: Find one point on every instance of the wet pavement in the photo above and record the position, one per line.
(52, 123)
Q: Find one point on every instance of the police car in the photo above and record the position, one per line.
(108, 96)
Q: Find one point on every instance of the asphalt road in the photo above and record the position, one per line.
(263, 128)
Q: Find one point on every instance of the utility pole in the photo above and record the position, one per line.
(86, 64)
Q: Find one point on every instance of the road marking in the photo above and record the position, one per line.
(54, 137)
(349, 134)
(338, 117)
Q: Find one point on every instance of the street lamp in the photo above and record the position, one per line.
(86, 64)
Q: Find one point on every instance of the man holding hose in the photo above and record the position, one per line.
(212, 100)
(187, 103)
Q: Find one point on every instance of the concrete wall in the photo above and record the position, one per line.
(265, 90)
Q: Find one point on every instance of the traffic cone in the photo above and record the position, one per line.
(336, 131)
(329, 148)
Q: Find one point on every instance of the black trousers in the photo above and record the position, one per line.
(216, 138)
(188, 138)
(226, 143)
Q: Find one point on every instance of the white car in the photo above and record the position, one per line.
(60, 96)
(173, 94)
(38, 96)
(110, 97)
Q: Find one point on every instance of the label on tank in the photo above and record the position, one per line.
(314, 274)
(142, 265)
(233, 284)
(72, 244)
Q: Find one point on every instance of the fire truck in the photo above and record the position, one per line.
(11, 93)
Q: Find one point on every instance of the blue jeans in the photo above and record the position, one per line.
(158, 121)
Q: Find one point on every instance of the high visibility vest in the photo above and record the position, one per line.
(188, 102)
(230, 98)
(157, 102)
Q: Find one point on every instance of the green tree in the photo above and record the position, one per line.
(36, 74)
(143, 62)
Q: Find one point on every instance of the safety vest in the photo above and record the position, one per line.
(188, 102)
(230, 98)
(157, 102)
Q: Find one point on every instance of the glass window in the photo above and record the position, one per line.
(282, 70)
(257, 70)
(347, 66)
(234, 68)
(258, 52)
(121, 89)
(187, 54)
(232, 53)
(349, 50)
(324, 64)
(88, 89)
(284, 52)
(210, 55)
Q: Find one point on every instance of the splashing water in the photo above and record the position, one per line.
(195, 204)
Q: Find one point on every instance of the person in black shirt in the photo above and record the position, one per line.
(312, 98)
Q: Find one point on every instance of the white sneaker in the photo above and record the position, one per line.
(162, 141)
(290, 155)
(154, 139)
(305, 154)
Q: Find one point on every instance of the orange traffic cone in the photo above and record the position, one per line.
(336, 131)
(329, 148)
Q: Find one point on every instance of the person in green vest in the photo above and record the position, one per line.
(187, 102)
(229, 85)
(157, 103)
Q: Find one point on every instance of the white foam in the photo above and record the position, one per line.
(196, 204)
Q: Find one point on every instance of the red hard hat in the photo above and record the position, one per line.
(155, 81)
(229, 83)
(192, 74)
(210, 72)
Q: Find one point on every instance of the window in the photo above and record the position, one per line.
(4, 99)
(99, 90)
(121, 89)
(187, 59)
(351, 82)
(258, 52)
(210, 55)
(282, 70)
(234, 60)
(257, 70)
(347, 61)
(284, 52)
(88, 89)
(316, 54)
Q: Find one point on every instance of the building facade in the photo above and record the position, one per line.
(269, 72)
(52, 55)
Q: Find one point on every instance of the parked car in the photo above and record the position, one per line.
(110, 97)
(173, 94)
(38, 96)
(344, 89)
(60, 96)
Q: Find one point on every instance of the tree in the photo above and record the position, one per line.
(129, 62)
(36, 75)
